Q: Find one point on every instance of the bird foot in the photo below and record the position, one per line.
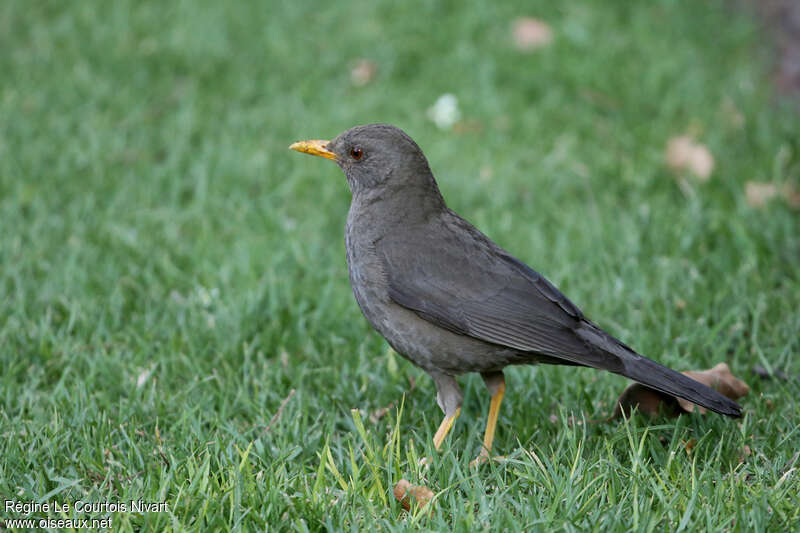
(483, 457)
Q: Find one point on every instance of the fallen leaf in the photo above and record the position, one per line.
(718, 378)
(405, 491)
(363, 72)
(647, 400)
(759, 193)
(531, 33)
(653, 402)
(689, 446)
(684, 153)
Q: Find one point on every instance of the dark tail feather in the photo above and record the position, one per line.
(632, 365)
(668, 381)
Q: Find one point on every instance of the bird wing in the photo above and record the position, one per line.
(461, 281)
(456, 278)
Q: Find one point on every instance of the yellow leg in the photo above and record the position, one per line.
(444, 429)
(491, 425)
(491, 422)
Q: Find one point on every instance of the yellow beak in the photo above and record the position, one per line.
(319, 148)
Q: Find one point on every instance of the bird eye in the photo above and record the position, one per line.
(356, 153)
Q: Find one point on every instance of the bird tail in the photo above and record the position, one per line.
(638, 368)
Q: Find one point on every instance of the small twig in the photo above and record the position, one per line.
(278, 413)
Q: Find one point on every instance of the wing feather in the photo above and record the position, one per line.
(466, 284)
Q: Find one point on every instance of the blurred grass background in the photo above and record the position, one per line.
(169, 271)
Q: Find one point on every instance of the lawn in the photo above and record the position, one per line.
(176, 322)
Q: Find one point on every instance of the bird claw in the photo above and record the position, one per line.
(483, 457)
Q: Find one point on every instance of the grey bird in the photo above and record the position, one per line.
(449, 299)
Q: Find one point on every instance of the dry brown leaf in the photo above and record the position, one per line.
(684, 153)
(689, 446)
(404, 491)
(530, 34)
(652, 402)
(718, 378)
(647, 400)
(758, 193)
(363, 72)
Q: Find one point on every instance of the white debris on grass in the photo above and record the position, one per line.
(444, 113)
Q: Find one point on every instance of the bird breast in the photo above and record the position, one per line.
(367, 278)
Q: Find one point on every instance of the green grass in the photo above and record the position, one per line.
(153, 221)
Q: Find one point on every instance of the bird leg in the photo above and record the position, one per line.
(444, 429)
(496, 383)
(449, 397)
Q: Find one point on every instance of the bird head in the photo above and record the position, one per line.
(375, 158)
